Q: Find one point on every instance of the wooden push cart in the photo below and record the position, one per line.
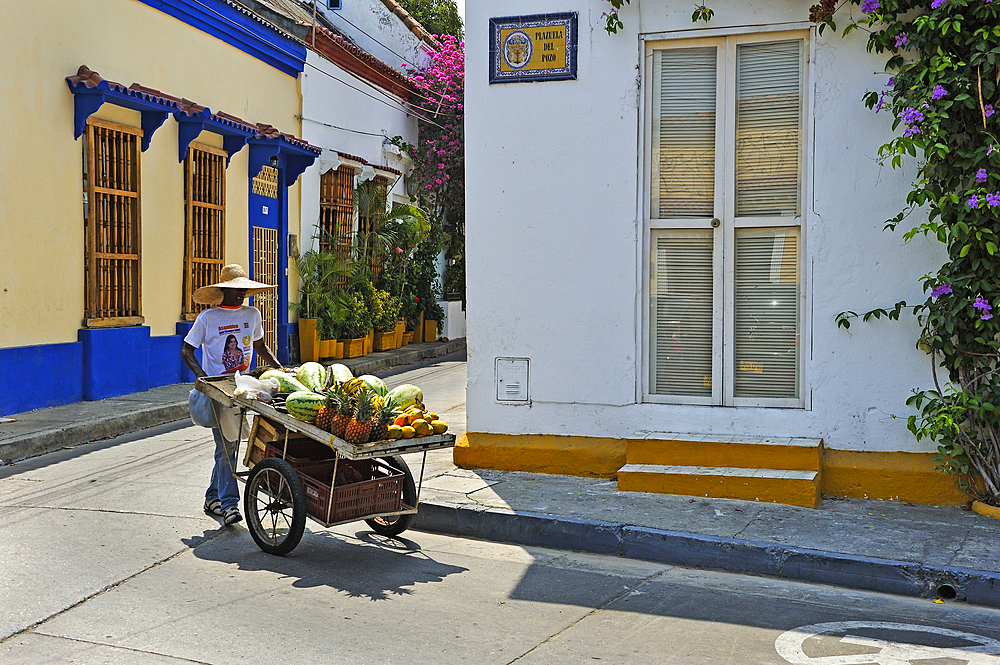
(297, 470)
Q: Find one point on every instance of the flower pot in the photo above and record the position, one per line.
(400, 329)
(407, 337)
(327, 347)
(369, 342)
(385, 341)
(354, 348)
(338, 354)
(430, 331)
(308, 340)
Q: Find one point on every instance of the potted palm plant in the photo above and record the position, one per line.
(319, 296)
(355, 325)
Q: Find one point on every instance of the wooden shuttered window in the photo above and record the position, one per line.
(112, 225)
(365, 226)
(725, 207)
(768, 129)
(336, 210)
(766, 326)
(205, 222)
(681, 291)
(683, 141)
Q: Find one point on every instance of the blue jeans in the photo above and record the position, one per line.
(223, 486)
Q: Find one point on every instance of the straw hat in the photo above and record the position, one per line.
(233, 277)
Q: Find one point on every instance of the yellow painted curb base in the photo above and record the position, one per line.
(988, 511)
(767, 490)
(716, 454)
(592, 457)
(891, 476)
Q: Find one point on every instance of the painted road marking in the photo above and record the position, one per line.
(980, 651)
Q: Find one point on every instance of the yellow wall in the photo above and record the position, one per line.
(41, 200)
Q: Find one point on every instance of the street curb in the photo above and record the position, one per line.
(47, 441)
(733, 555)
(379, 360)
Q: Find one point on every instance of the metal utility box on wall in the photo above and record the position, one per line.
(512, 379)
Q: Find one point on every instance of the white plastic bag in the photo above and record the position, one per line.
(202, 413)
(252, 388)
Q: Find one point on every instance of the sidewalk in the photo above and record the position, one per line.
(925, 551)
(913, 550)
(45, 430)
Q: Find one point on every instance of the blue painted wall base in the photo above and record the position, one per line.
(48, 375)
(104, 362)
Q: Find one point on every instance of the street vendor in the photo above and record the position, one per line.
(228, 334)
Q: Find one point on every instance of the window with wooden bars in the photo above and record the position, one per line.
(725, 191)
(336, 210)
(365, 223)
(112, 225)
(204, 222)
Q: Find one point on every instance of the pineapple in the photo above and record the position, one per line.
(360, 427)
(383, 417)
(345, 409)
(324, 418)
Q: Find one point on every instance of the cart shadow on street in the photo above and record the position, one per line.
(359, 565)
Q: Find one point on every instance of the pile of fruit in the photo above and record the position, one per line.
(357, 409)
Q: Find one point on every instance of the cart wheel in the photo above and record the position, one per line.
(397, 524)
(275, 505)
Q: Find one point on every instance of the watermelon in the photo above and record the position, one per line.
(405, 395)
(304, 405)
(341, 373)
(312, 375)
(374, 384)
(286, 382)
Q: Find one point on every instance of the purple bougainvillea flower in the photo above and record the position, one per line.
(981, 175)
(937, 3)
(901, 39)
(940, 290)
(912, 131)
(988, 110)
(986, 316)
(891, 82)
(869, 6)
(993, 200)
(982, 303)
(939, 92)
(973, 202)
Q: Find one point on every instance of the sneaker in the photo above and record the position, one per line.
(231, 516)
(213, 507)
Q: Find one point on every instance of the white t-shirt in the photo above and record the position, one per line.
(226, 336)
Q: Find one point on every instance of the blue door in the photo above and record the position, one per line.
(268, 219)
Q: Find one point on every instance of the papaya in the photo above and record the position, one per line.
(407, 431)
(439, 426)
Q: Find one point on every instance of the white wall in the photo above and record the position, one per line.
(360, 120)
(377, 30)
(553, 233)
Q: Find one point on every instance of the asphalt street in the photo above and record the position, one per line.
(107, 557)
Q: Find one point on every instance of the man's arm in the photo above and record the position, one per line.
(187, 353)
(265, 354)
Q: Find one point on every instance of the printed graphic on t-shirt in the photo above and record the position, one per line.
(234, 356)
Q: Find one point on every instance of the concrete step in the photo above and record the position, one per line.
(794, 487)
(751, 452)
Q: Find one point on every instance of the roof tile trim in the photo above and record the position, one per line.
(411, 23)
(91, 79)
(354, 59)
